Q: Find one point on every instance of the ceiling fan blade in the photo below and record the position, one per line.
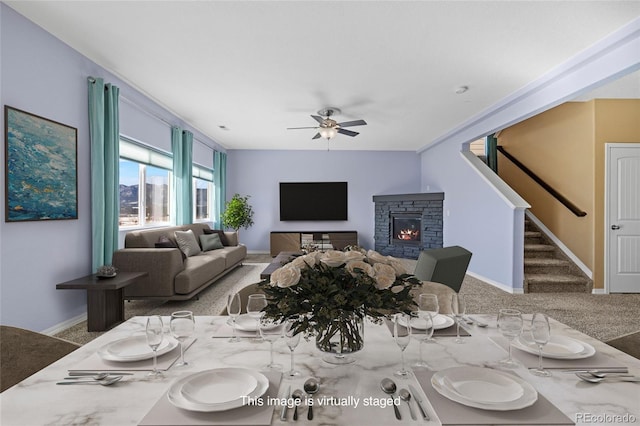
(318, 118)
(353, 123)
(317, 136)
(348, 132)
(295, 128)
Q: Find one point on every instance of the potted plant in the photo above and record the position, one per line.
(237, 213)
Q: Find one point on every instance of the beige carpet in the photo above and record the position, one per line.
(604, 317)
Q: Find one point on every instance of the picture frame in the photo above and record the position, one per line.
(41, 168)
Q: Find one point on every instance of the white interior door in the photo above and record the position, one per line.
(623, 218)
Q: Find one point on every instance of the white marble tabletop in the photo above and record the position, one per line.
(39, 401)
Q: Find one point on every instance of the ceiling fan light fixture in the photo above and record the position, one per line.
(327, 132)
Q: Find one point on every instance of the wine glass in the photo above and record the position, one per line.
(270, 331)
(155, 333)
(292, 337)
(458, 308)
(428, 303)
(234, 306)
(510, 324)
(402, 336)
(182, 326)
(256, 303)
(541, 333)
(426, 320)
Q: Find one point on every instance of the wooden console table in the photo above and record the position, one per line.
(105, 304)
(293, 240)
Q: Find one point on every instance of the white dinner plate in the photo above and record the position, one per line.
(219, 389)
(439, 322)
(559, 347)
(246, 323)
(484, 388)
(134, 348)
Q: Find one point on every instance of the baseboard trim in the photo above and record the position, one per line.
(65, 325)
(496, 284)
(584, 268)
(598, 291)
(257, 252)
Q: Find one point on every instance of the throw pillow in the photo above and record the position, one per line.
(210, 242)
(223, 237)
(187, 242)
(165, 242)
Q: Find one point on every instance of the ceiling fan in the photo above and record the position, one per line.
(328, 127)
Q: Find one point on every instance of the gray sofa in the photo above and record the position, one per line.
(172, 276)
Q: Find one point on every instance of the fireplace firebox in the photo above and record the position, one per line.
(406, 228)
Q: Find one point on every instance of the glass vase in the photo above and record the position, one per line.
(341, 338)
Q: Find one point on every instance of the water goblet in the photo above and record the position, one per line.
(181, 326)
(256, 303)
(428, 302)
(234, 306)
(292, 337)
(541, 333)
(154, 332)
(426, 320)
(402, 336)
(270, 331)
(458, 309)
(510, 324)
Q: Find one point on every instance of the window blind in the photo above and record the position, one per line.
(144, 154)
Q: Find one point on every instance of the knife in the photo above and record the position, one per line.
(597, 370)
(93, 373)
(418, 398)
(283, 413)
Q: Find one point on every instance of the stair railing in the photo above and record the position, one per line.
(568, 204)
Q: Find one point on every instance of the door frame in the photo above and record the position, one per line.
(609, 146)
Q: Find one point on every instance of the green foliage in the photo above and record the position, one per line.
(237, 213)
(327, 297)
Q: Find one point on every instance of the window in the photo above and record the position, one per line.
(203, 194)
(145, 190)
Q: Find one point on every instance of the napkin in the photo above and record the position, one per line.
(95, 363)
(443, 332)
(165, 413)
(542, 412)
(597, 361)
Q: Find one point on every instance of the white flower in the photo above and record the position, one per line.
(303, 262)
(353, 255)
(376, 257)
(333, 258)
(285, 276)
(385, 275)
(359, 264)
(397, 265)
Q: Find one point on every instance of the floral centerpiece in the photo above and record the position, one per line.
(326, 294)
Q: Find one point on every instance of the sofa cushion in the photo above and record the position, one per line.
(210, 242)
(165, 242)
(198, 270)
(223, 238)
(187, 242)
(231, 255)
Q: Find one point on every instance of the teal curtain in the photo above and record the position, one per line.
(182, 147)
(491, 151)
(220, 184)
(104, 132)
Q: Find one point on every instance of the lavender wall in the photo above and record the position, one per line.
(42, 75)
(368, 173)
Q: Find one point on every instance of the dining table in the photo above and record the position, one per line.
(348, 394)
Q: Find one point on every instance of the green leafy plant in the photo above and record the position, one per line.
(318, 288)
(238, 213)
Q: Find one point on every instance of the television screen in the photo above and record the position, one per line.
(313, 200)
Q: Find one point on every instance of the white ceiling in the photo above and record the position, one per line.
(258, 67)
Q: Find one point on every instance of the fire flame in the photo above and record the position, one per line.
(408, 234)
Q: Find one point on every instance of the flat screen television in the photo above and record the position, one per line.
(313, 201)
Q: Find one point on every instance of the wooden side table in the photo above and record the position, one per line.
(105, 302)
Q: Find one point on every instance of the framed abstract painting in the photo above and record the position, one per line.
(41, 173)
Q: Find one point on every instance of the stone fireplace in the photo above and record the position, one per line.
(406, 224)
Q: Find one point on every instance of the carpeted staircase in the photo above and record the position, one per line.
(547, 269)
